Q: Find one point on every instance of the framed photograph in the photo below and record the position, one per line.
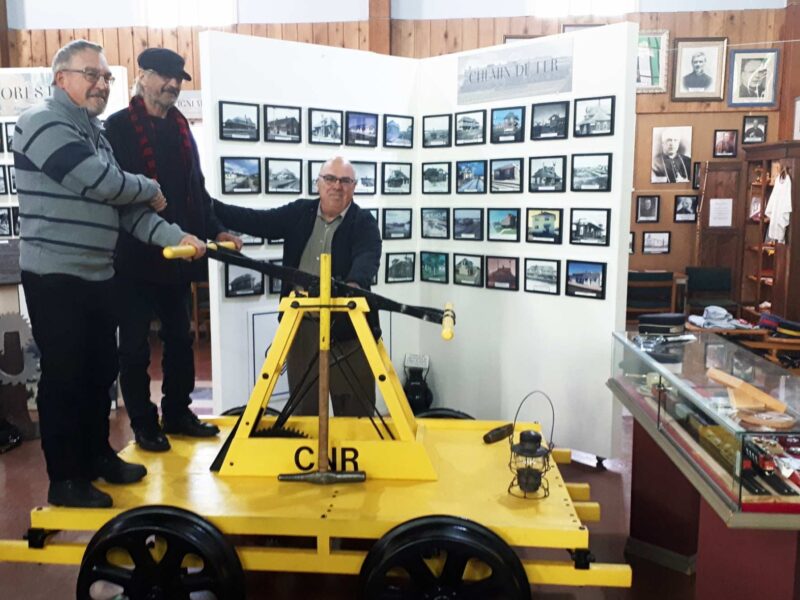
(543, 225)
(240, 281)
(502, 273)
(685, 209)
(400, 267)
(374, 213)
(542, 276)
(468, 270)
(284, 175)
(436, 178)
(699, 67)
(5, 222)
(631, 244)
(594, 116)
(589, 226)
(506, 175)
(671, 155)
(586, 279)
(3, 180)
(274, 282)
(502, 224)
(550, 121)
(508, 125)
(314, 167)
(591, 172)
(435, 223)
(396, 223)
(651, 62)
(237, 121)
(434, 267)
(362, 129)
(366, 176)
(436, 131)
(547, 173)
(274, 242)
(283, 124)
(696, 175)
(471, 127)
(471, 177)
(398, 131)
(754, 130)
(3, 146)
(324, 126)
(12, 179)
(655, 242)
(725, 143)
(647, 209)
(468, 224)
(754, 77)
(396, 178)
(241, 175)
(15, 219)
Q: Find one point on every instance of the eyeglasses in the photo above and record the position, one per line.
(92, 75)
(332, 179)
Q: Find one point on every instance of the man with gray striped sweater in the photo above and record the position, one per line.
(74, 198)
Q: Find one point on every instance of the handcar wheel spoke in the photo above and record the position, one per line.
(453, 570)
(112, 574)
(421, 574)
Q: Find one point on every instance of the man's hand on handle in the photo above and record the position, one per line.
(226, 236)
(196, 243)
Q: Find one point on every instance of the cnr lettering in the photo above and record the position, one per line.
(304, 458)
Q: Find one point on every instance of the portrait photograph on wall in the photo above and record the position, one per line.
(651, 62)
(468, 270)
(398, 131)
(725, 141)
(502, 224)
(754, 130)
(434, 267)
(400, 267)
(699, 68)
(436, 131)
(5, 222)
(543, 225)
(471, 128)
(362, 129)
(589, 226)
(10, 134)
(274, 282)
(237, 121)
(502, 273)
(324, 126)
(3, 180)
(468, 224)
(241, 175)
(283, 123)
(12, 179)
(435, 223)
(594, 116)
(471, 177)
(314, 167)
(685, 209)
(647, 209)
(586, 279)
(396, 223)
(655, 242)
(396, 178)
(366, 175)
(506, 175)
(550, 121)
(671, 155)
(284, 175)
(240, 281)
(436, 178)
(542, 276)
(631, 241)
(591, 172)
(547, 173)
(754, 77)
(508, 125)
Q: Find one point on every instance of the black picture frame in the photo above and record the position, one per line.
(366, 178)
(6, 224)
(433, 133)
(283, 176)
(239, 121)
(754, 129)
(502, 224)
(400, 267)
(585, 279)
(283, 124)
(470, 127)
(631, 242)
(236, 171)
(590, 226)
(397, 224)
(506, 175)
(325, 126)
(468, 269)
(685, 209)
(544, 225)
(436, 177)
(435, 223)
(648, 208)
(550, 121)
(313, 167)
(696, 175)
(508, 125)
(12, 180)
(9, 135)
(275, 283)
(588, 116)
(241, 282)
(398, 131)
(468, 224)
(361, 129)
(471, 177)
(434, 267)
(589, 178)
(655, 245)
(726, 143)
(502, 273)
(396, 178)
(542, 276)
(3, 146)
(3, 180)
(15, 219)
(547, 174)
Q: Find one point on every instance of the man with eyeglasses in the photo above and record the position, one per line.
(336, 225)
(152, 137)
(74, 199)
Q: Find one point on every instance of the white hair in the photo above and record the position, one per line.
(63, 57)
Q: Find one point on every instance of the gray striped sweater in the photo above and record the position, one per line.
(73, 196)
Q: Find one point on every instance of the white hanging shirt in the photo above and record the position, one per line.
(779, 208)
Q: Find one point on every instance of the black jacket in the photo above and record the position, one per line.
(193, 213)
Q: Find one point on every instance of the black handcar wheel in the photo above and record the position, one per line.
(142, 555)
(442, 558)
(443, 413)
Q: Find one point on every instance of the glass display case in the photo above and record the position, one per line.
(733, 416)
